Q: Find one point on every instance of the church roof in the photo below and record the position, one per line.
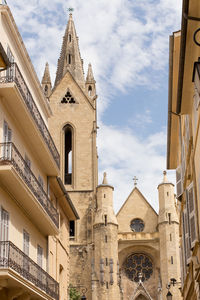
(70, 58)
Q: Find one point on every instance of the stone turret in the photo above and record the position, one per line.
(168, 226)
(46, 81)
(70, 58)
(90, 84)
(105, 226)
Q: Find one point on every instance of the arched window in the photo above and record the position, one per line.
(89, 90)
(68, 154)
(70, 37)
(46, 90)
(69, 59)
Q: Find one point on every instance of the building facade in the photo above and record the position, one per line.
(35, 209)
(183, 140)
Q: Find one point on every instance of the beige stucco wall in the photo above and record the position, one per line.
(18, 221)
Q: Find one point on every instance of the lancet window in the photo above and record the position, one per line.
(68, 136)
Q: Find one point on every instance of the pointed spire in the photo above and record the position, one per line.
(70, 59)
(46, 77)
(105, 178)
(90, 82)
(46, 81)
(90, 76)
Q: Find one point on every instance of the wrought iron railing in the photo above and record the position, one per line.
(10, 154)
(13, 74)
(13, 258)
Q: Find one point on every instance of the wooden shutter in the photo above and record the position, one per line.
(187, 131)
(179, 182)
(191, 214)
(4, 225)
(186, 237)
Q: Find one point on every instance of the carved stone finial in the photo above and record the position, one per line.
(105, 178)
(165, 176)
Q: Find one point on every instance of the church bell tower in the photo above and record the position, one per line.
(73, 126)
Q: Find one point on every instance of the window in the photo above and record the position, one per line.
(169, 216)
(39, 255)
(4, 231)
(106, 221)
(90, 90)
(68, 154)
(39, 262)
(136, 264)
(70, 38)
(10, 70)
(46, 90)
(7, 138)
(69, 59)
(26, 240)
(4, 225)
(137, 225)
(191, 213)
(71, 228)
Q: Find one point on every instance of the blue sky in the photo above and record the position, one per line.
(127, 44)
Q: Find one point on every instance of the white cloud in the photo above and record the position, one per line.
(127, 44)
(124, 156)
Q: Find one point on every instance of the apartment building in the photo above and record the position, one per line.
(35, 209)
(184, 141)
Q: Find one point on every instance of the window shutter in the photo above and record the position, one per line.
(186, 237)
(183, 159)
(187, 131)
(5, 131)
(191, 213)
(179, 183)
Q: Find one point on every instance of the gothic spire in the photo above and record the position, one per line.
(46, 81)
(90, 82)
(90, 76)
(70, 59)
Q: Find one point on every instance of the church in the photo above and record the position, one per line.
(133, 254)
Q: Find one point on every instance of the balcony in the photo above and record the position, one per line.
(18, 99)
(14, 172)
(14, 262)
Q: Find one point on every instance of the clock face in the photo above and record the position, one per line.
(137, 225)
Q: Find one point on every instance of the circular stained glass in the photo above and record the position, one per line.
(137, 225)
(136, 264)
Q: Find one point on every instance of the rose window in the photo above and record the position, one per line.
(136, 264)
(137, 225)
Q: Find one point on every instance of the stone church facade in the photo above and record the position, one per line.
(131, 255)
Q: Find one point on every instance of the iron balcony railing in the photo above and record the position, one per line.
(13, 258)
(13, 74)
(10, 154)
